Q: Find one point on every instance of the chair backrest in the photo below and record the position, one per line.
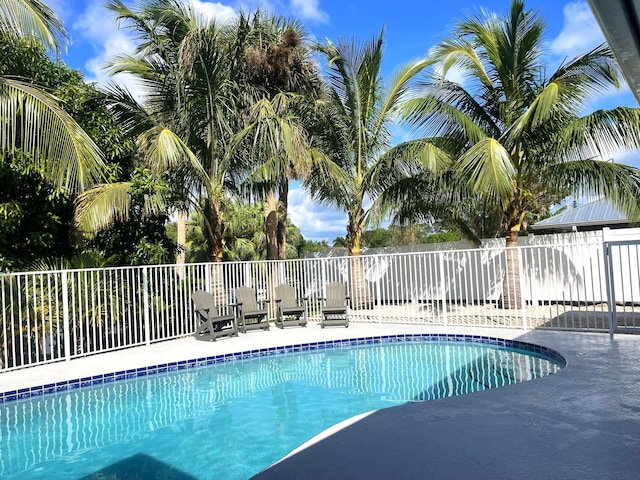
(287, 296)
(247, 297)
(336, 294)
(204, 303)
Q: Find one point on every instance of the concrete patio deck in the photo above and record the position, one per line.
(581, 423)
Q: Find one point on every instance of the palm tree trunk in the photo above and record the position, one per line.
(181, 237)
(360, 295)
(215, 242)
(511, 298)
(271, 225)
(281, 233)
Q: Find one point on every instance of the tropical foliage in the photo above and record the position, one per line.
(514, 126)
(31, 119)
(355, 131)
(514, 129)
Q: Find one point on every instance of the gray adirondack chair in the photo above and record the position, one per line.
(334, 310)
(252, 315)
(214, 321)
(290, 310)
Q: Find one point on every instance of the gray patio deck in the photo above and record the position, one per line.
(581, 423)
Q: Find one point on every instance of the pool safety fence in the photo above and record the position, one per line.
(49, 316)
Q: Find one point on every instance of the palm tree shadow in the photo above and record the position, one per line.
(138, 467)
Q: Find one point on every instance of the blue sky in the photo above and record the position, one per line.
(411, 29)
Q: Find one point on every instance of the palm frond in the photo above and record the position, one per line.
(618, 183)
(101, 205)
(163, 150)
(32, 120)
(33, 17)
(488, 168)
(601, 134)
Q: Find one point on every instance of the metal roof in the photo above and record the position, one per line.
(597, 213)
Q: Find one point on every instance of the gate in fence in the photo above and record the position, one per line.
(622, 274)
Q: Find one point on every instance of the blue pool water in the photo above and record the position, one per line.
(231, 420)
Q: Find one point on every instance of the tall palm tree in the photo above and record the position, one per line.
(32, 120)
(280, 68)
(516, 131)
(355, 135)
(185, 61)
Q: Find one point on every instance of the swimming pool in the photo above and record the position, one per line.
(235, 418)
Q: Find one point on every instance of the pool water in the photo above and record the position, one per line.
(232, 420)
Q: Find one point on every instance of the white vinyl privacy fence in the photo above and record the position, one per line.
(593, 285)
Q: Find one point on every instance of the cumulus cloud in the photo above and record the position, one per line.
(214, 11)
(309, 10)
(580, 33)
(98, 27)
(315, 221)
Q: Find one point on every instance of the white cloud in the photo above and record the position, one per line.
(99, 28)
(628, 157)
(580, 32)
(309, 10)
(214, 11)
(315, 221)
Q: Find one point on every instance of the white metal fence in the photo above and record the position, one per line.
(55, 315)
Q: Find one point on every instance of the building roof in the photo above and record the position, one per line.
(618, 20)
(593, 214)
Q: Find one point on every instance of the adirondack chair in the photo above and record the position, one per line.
(290, 310)
(252, 315)
(334, 309)
(214, 322)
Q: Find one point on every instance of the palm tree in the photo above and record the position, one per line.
(32, 120)
(355, 135)
(516, 132)
(284, 79)
(186, 127)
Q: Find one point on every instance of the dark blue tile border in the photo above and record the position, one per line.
(66, 385)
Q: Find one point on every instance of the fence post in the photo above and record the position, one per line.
(521, 290)
(65, 317)
(610, 288)
(145, 305)
(443, 288)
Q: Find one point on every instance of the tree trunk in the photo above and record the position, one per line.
(360, 295)
(182, 237)
(511, 297)
(283, 205)
(215, 242)
(181, 243)
(271, 225)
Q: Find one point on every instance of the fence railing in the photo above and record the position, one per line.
(54, 315)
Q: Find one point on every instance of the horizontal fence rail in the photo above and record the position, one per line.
(60, 315)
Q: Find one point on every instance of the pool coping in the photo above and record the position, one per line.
(103, 378)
